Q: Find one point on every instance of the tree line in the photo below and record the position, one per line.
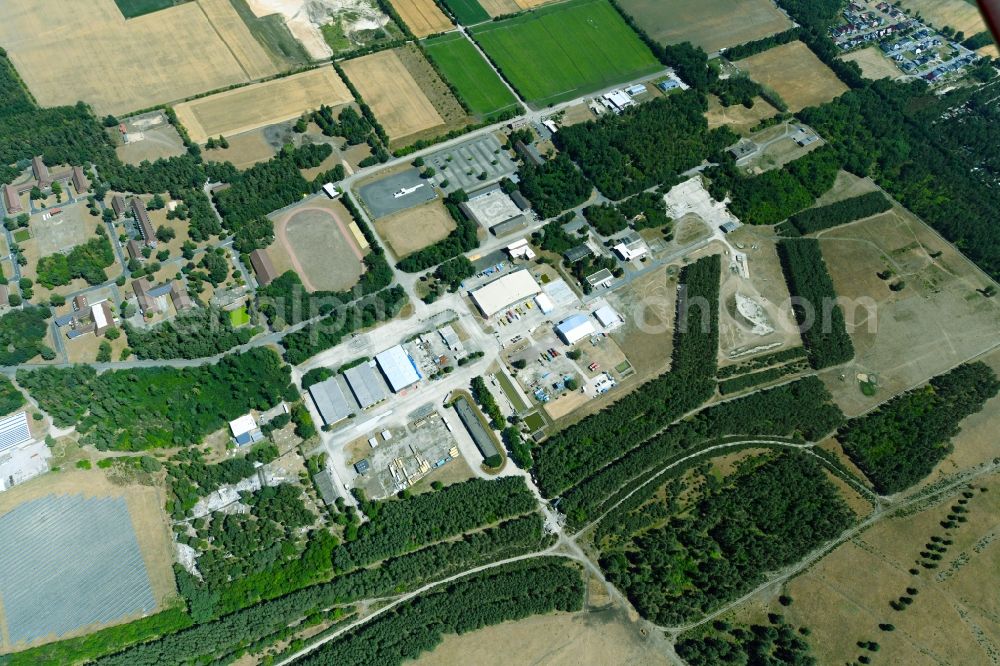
(572, 454)
(760, 362)
(902, 441)
(774, 643)
(145, 408)
(511, 592)
(841, 212)
(768, 514)
(820, 319)
(743, 382)
(802, 409)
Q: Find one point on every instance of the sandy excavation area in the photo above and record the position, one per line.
(305, 17)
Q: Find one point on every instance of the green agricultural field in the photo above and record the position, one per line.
(467, 12)
(465, 68)
(560, 52)
(133, 8)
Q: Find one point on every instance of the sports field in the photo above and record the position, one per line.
(467, 12)
(795, 73)
(476, 82)
(422, 16)
(710, 24)
(315, 241)
(395, 97)
(261, 104)
(92, 53)
(567, 50)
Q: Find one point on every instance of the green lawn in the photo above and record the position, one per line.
(239, 316)
(133, 8)
(564, 51)
(22, 235)
(467, 12)
(475, 80)
(510, 392)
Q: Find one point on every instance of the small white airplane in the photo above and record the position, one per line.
(403, 191)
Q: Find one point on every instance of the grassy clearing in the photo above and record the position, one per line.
(509, 391)
(133, 8)
(273, 34)
(566, 50)
(239, 316)
(475, 80)
(22, 235)
(467, 12)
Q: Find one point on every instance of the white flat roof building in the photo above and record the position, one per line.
(242, 425)
(504, 292)
(575, 328)
(544, 303)
(398, 368)
(607, 316)
(520, 249)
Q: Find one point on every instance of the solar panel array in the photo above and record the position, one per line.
(14, 430)
(68, 561)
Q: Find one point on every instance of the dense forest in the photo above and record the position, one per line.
(802, 410)
(506, 593)
(21, 335)
(841, 212)
(899, 443)
(820, 318)
(776, 194)
(190, 478)
(10, 397)
(87, 260)
(574, 453)
(936, 157)
(696, 557)
(145, 408)
(554, 186)
(396, 526)
(341, 321)
(646, 210)
(648, 145)
(194, 333)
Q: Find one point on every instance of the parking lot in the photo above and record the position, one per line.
(380, 197)
(463, 165)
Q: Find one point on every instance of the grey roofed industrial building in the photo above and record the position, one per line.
(510, 226)
(602, 278)
(467, 413)
(398, 368)
(519, 200)
(331, 399)
(366, 384)
(529, 153)
(361, 466)
(729, 227)
(575, 254)
(491, 207)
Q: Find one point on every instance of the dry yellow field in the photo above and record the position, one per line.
(261, 104)
(959, 14)
(93, 54)
(422, 16)
(873, 64)
(394, 96)
(410, 230)
(739, 118)
(255, 61)
(795, 73)
(499, 7)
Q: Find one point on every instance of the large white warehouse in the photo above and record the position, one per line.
(504, 292)
(575, 328)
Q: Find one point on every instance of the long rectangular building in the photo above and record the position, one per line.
(398, 368)
(504, 292)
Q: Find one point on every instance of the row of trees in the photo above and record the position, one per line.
(802, 409)
(841, 212)
(820, 318)
(145, 408)
(573, 454)
(194, 333)
(760, 362)
(506, 593)
(763, 517)
(341, 321)
(481, 394)
(900, 442)
(648, 145)
(747, 49)
(87, 260)
(766, 644)
(743, 382)
(396, 526)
